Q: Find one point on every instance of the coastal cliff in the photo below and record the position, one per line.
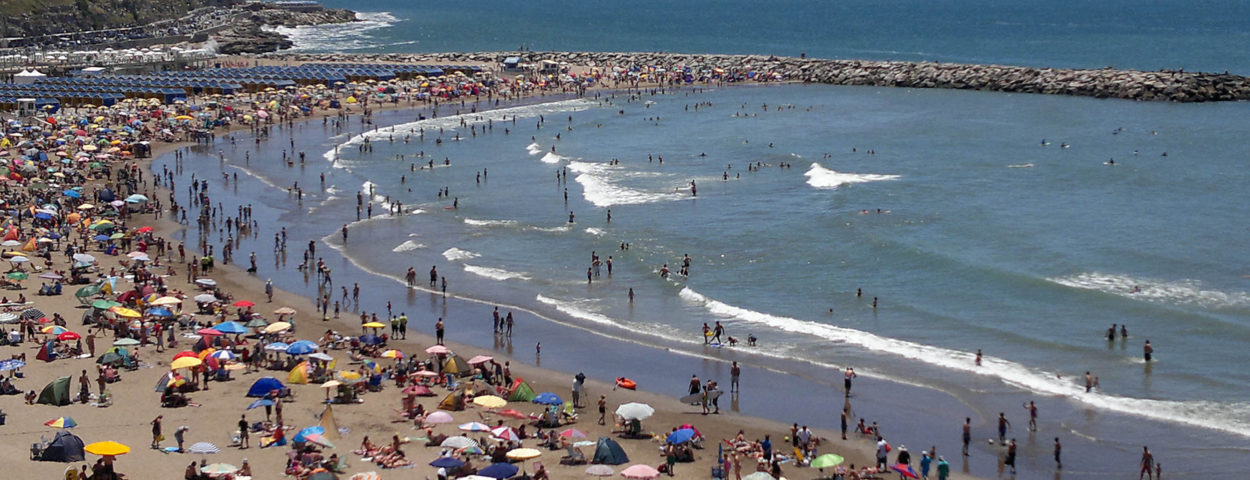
(1174, 86)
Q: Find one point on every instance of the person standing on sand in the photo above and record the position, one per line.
(603, 408)
(438, 331)
(243, 432)
(269, 290)
(734, 372)
(156, 431)
(1147, 464)
(967, 435)
(943, 469)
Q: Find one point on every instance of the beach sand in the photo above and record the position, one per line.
(136, 404)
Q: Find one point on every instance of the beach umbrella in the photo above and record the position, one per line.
(548, 398)
(369, 339)
(10, 243)
(679, 437)
(125, 312)
(185, 362)
(635, 411)
(315, 429)
(302, 347)
(827, 460)
(489, 401)
(320, 356)
(205, 298)
(160, 312)
(264, 402)
(277, 327)
(450, 463)
(523, 454)
(904, 470)
(166, 301)
(373, 325)
(510, 413)
(349, 377)
(234, 328)
(459, 441)
(418, 390)
(6, 317)
(206, 282)
(437, 350)
(480, 359)
(243, 303)
(107, 448)
(439, 417)
(640, 471)
(61, 422)
(203, 448)
(319, 439)
(208, 332)
(506, 433)
(573, 433)
(498, 470)
(366, 476)
(83, 258)
(32, 314)
(67, 336)
(223, 355)
(256, 323)
(600, 471)
(284, 311)
(105, 304)
(53, 330)
(277, 347)
(219, 469)
(474, 427)
(125, 342)
(392, 354)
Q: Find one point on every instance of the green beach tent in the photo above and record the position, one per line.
(55, 393)
(521, 392)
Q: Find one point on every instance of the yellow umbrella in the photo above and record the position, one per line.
(166, 301)
(331, 384)
(374, 325)
(185, 362)
(277, 327)
(392, 354)
(523, 454)
(125, 312)
(489, 401)
(107, 448)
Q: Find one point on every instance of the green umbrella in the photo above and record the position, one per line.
(827, 460)
(126, 342)
(116, 236)
(104, 304)
(17, 275)
(87, 291)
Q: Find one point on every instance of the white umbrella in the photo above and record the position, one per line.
(19, 259)
(600, 471)
(203, 448)
(635, 411)
(10, 243)
(84, 258)
(205, 298)
(459, 441)
(321, 356)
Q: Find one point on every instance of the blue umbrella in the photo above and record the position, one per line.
(498, 470)
(548, 398)
(370, 339)
(681, 436)
(160, 312)
(43, 216)
(264, 402)
(230, 327)
(447, 462)
(277, 347)
(71, 194)
(302, 347)
(315, 429)
(100, 238)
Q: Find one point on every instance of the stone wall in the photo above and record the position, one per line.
(1176, 86)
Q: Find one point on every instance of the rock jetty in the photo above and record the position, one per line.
(1168, 85)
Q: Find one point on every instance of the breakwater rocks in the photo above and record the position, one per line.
(249, 35)
(1175, 86)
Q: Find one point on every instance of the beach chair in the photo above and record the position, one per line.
(569, 415)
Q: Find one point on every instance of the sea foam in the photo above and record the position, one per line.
(821, 177)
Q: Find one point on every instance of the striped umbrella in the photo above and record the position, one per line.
(61, 422)
(204, 448)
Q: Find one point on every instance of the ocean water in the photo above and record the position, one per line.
(1020, 225)
(1207, 35)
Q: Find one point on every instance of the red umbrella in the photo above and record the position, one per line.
(68, 336)
(185, 353)
(208, 332)
(244, 303)
(904, 470)
(419, 390)
(144, 230)
(512, 413)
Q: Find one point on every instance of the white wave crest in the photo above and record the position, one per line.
(495, 273)
(598, 232)
(408, 246)
(488, 223)
(454, 254)
(1177, 292)
(572, 310)
(551, 157)
(534, 149)
(337, 37)
(1227, 417)
(821, 177)
(601, 191)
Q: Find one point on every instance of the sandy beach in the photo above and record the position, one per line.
(217, 410)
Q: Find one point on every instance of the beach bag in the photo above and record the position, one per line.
(888, 447)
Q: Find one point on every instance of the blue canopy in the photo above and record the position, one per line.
(264, 402)
(72, 194)
(263, 386)
(447, 462)
(303, 434)
(302, 347)
(370, 339)
(230, 327)
(681, 436)
(548, 398)
(498, 470)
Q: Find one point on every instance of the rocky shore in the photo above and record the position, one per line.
(1174, 86)
(247, 36)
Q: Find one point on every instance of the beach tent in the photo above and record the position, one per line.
(299, 374)
(66, 447)
(457, 365)
(263, 386)
(327, 422)
(608, 452)
(55, 393)
(47, 352)
(520, 391)
(454, 401)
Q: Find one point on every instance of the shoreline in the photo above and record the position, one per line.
(667, 406)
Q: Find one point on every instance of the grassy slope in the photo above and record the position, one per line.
(19, 17)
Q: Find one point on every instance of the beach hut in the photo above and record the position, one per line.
(66, 447)
(262, 387)
(55, 393)
(608, 452)
(520, 391)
